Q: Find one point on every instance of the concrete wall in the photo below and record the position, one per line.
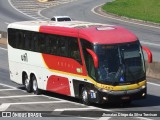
(153, 70)
(3, 34)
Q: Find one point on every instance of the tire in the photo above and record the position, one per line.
(27, 84)
(85, 96)
(35, 88)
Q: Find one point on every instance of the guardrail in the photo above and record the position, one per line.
(152, 69)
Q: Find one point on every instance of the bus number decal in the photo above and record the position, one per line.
(24, 57)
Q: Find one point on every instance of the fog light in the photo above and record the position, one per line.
(143, 86)
(143, 94)
(104, 98)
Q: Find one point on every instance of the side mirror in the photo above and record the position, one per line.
(149, 53)
(94, 56)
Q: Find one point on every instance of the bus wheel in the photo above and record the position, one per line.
(27, 83)
(35, 86)
(84, 96)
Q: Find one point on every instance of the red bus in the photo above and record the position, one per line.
(94, 62)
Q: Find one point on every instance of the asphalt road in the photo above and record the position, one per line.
(8, 14)
(14, 98)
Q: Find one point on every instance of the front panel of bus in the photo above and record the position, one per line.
(120, 74)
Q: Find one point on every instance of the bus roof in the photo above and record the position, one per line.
(96, 33)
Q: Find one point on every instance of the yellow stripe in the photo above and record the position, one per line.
(122, 87)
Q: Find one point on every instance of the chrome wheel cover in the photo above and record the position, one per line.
(84, 96)
(35, 86)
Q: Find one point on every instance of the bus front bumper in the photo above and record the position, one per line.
(118, 96)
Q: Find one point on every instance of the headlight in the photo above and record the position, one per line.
(104, 90)
(144, 86)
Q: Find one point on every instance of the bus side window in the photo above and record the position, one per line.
(19, 39)
(88, 58)
(54, 45)
(62, 46)
(41, 43)
(34, 42)
(90, 66)
(48, 44)
(27, 40)
(74, 49)
(12, 37)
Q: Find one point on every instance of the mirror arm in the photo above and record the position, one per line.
(94, 56)
(149, 53)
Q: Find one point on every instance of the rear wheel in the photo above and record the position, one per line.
(84, 96)
(35, 88)
(27, 83)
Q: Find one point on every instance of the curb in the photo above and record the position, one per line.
(42, 0)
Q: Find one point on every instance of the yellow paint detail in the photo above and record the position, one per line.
(122, 87)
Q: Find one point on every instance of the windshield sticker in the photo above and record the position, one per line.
(121, 79)
(131, 54)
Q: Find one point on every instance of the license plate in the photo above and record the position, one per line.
(125, 98)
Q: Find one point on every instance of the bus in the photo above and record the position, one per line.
(97, 63)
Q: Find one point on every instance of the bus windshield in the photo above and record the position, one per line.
(120, 64)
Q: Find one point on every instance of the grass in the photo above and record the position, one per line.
(147, 10)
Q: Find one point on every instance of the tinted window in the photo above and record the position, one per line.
(45, 43)
(63, 19)
(27, 40)
(62, 46)
(19, 40)
(74, 50)
(11, 37)
(88, 58)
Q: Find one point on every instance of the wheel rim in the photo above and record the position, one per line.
(84, 95)
(35, 85)
(26, 81)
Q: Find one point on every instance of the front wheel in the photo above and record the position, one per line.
(36, 90)
(85, 97)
